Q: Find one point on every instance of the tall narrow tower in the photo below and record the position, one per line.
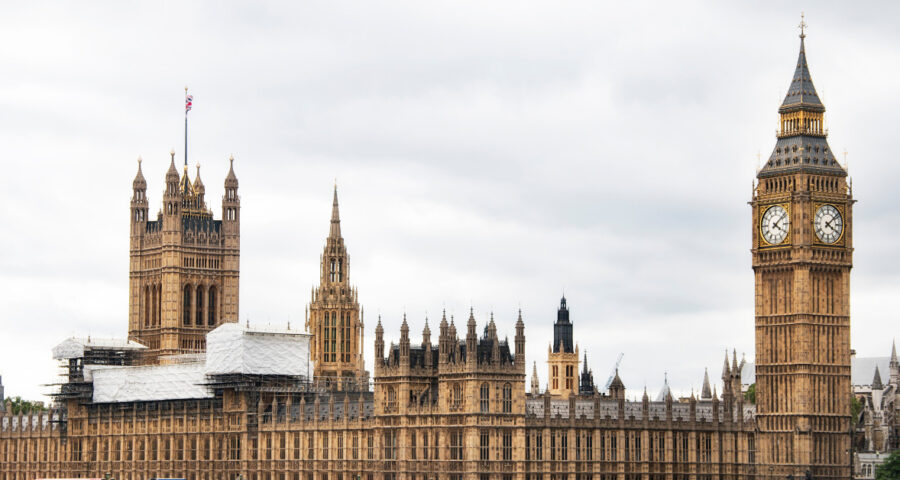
(562, 356)
(802, 255)
(184, 267)
(334, 319)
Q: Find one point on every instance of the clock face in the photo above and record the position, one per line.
(775, 225)
(828, 223)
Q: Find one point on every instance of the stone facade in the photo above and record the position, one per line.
(184, 267)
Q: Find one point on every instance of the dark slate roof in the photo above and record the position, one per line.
(802, 92)
(805, 153)
(416, 355)
(200, 223)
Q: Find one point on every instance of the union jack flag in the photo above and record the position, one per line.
(188, 103)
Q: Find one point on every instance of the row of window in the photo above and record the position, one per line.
(457, 399)
(199, 305)
(484, 450)
(335, 337)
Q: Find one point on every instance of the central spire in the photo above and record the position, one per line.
(335, 231)
(802, 92)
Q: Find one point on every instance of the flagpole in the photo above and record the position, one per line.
(185, 128)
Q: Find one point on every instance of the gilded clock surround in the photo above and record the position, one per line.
(840, 240)
(762, 238)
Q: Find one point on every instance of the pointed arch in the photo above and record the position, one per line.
(332, 276)
(211, 309)
(186, 305)
(199, 306)
(507, 398)
(485, 398)
(147, 306)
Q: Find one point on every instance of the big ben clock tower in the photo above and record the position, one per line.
(802, 256)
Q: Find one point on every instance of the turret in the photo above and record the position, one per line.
(562, 330)
(426, 343)
(586, 382)
(495, 342)
(706, 393)
(379, 343)
(444, 341)
(231, 207)
(454, 341)
(876, 380)
(894, 366)
(199, 188)
(535, 381)
(520, 340)
(404, 342)
(138, 202)
(426, 335)
(736, 389)
(617, 388)
(172, 202)
(471, 340)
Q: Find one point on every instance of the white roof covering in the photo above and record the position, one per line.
(235, 349)
(155, 382)
(75, 347)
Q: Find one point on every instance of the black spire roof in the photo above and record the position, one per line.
(562, 330)
(802, 92)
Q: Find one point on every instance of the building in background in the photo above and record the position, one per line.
(876, 433)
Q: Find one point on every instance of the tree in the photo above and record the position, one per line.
(17, 405)
(750, 394)
(890, 469)
(855, 408)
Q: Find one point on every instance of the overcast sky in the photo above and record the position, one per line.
(488, 154)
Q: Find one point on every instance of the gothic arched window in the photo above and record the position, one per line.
(186, 306)
(211, 311)
(147, 309)
(507, 398)
(333, 336)
(457, 395)
(199, 306)
(391, 399)
(331, 277)
(485, 398)
(340, 270)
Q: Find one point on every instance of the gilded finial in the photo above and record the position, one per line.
(231, 158)
(141, 159)
(172, 153)
(802, 26)
(185, 89)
